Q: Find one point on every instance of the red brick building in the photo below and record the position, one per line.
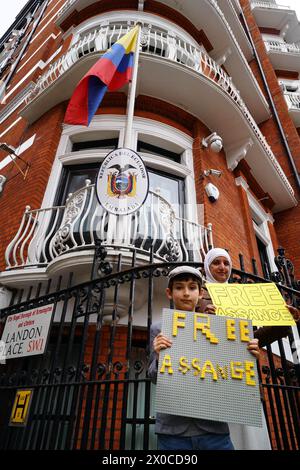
(217, 89)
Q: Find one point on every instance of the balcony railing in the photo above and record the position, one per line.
(46, 234)
(65, 7)
(292, 99)
(269, 4)
(155, 41)
(282, 47)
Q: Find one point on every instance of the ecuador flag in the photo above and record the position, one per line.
(111, 72)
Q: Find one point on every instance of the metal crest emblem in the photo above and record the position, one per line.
(122, 183)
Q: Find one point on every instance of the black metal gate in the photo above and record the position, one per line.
(90, 387)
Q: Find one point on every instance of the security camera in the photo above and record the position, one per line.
(217, 173)
(212, 192)
(214, 142)
(212, 172)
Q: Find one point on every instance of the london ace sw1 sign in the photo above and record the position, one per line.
(26, 333)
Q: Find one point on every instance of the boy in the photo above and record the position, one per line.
(179, 432)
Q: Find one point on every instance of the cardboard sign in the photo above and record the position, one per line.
(26, 333)
(261, 303)
(208, 372)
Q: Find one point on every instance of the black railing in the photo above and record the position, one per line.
(90, 387)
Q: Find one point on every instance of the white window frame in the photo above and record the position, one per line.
(104, 124)
(261, 228)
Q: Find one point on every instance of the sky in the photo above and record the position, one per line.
(9, 13)
(13, 7)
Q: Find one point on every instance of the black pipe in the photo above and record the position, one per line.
(274, 110)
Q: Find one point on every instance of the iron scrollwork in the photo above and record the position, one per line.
(103, 266)
(286, 270)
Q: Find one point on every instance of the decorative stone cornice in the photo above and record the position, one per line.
(237, 152)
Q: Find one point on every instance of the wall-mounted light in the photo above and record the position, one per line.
(214, 142)
(211, 172)
(12, 151)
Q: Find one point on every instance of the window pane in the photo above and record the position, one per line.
(169, 188)
(109, 144)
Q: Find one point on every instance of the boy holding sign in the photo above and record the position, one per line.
(179, 432)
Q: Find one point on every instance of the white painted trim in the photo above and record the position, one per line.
(10, 127)
(50, 11)
(32, 55)
(241, 182)
(44, 27)
(15, 103)
(263, 217)
(40, 64)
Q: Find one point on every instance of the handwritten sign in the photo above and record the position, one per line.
(26, 333)
(208, 372)
(261, 303)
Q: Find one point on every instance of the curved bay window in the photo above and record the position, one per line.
(83, 219)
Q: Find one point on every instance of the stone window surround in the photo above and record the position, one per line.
(141, 126)
(262, 218)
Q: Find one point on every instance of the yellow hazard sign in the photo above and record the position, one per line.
(20, 411)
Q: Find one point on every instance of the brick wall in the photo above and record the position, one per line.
(287, 223)
(19, 193)
(230, 214)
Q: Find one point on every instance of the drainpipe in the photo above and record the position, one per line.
(16, 63)
(273, 107)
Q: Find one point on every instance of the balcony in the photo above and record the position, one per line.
(209, 17)
(163, 56)
(268, 4)
(293, 102)
(284, 56)
(269, 14)
(231, 12)
(52, 238)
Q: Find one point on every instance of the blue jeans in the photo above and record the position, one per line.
(203, 442)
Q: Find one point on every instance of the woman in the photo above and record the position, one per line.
(218, 266)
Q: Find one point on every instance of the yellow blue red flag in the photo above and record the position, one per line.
(110, 72)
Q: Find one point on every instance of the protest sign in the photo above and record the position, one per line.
(261, 303)
(208, 372)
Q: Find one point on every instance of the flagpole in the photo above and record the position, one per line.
(131, 93)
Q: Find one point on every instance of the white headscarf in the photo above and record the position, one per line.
(210, 257)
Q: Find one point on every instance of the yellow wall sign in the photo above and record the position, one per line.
(20, 411)
(261, 303)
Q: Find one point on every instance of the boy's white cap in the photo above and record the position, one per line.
(184, 270)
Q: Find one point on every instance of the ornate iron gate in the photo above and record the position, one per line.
(90, 387)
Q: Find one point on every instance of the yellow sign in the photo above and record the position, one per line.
(261, 303)
(208, 372)
(20, 409)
